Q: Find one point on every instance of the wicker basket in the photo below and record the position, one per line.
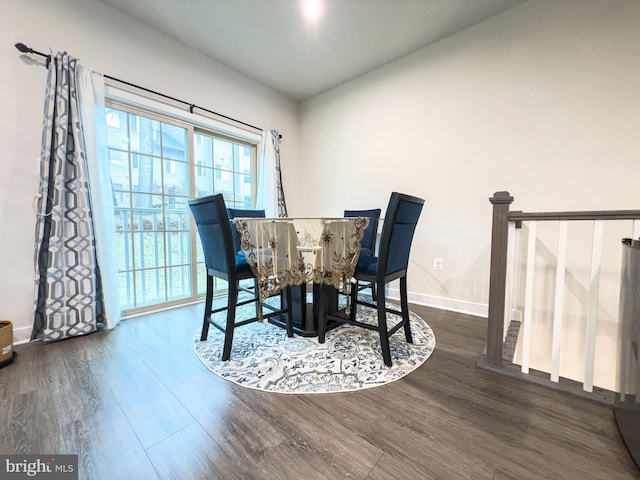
(6, 340)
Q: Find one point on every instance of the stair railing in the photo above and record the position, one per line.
(504, 225)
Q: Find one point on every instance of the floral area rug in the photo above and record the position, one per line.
(264, 358)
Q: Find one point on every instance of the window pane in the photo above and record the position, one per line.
(178, 248)
(176, 178)
(177, 220)
(147, 177)
(221, 285)
(223, 183)
(199, 252)
(144, 135)
(223, 154)
(124, 248)
(118, 136)
(147, 212)
(204, 182)
(179, 281)
(180, 204)
(150, 287)
(119, 169)
(118, 157)
(243, 191)
(125, 283)
(202, 278)
(148, 250)
(203, 150)
(242, 159)
(174, 142)
(122, 212)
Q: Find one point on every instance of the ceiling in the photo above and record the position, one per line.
(271, 42)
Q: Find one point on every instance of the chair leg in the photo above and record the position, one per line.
(353, 300)
(373, 292)
(404, 307)
(255, 286)
(207, 309)
(382, 326)
(231, 320)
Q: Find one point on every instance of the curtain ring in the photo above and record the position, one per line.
(35, 210)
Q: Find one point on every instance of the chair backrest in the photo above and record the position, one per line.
(398, 228)
(214, 228)
(242, 213)
(371, 232)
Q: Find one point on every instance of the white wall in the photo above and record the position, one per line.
(110, 42)
(542, 100)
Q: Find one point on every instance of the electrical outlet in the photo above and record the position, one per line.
(438, 263)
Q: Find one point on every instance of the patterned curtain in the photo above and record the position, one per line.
(69, 299)
(282, 204)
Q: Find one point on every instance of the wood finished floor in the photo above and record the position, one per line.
(136, 403)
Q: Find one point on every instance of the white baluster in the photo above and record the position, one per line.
(558, 308)
(510, 278)
(636, 229)
(592, 312)
(528, 297)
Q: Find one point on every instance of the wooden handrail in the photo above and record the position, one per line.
(586, 215)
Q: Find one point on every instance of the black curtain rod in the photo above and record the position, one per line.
(24, 49)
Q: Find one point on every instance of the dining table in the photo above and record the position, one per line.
(313, 256)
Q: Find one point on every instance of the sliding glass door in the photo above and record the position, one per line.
(156, 165)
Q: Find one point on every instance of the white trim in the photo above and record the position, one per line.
(443, 303)
(21, 335)
(164, 308)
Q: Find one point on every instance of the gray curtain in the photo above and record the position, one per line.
(69, 300)
(282, 204)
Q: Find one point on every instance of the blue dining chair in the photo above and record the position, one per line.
(242, 213)
(391, 263)
(368, 244)
(222, 260)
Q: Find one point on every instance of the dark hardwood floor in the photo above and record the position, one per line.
(136, 403)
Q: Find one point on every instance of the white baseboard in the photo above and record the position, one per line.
(21, 335)
(452, 304)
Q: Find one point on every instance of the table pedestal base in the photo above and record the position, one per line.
(306, 314)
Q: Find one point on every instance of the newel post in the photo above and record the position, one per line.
(498, 276)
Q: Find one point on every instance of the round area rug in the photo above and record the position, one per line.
(264, 358)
